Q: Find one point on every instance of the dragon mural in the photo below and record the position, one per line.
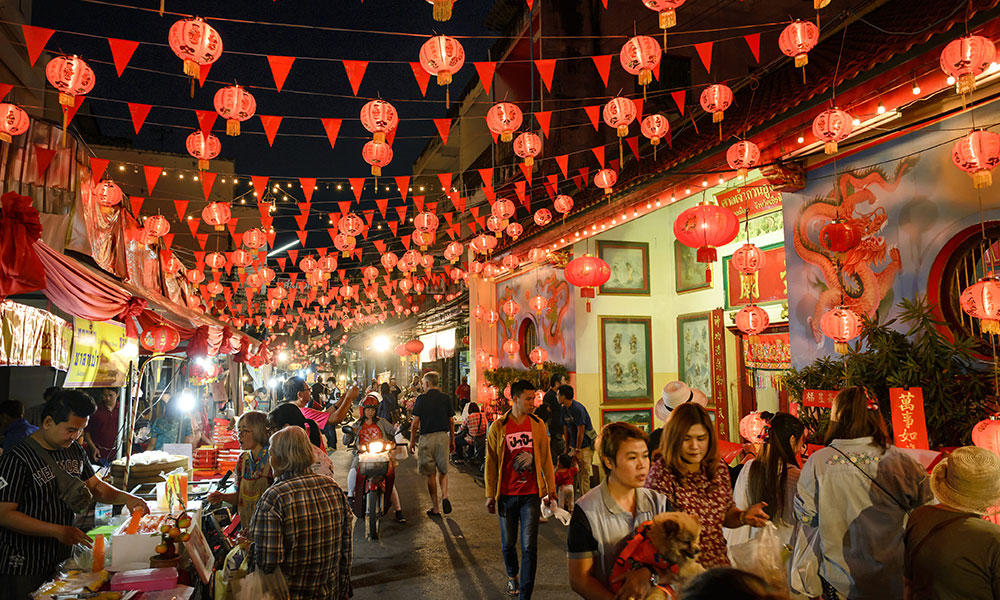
(852, 279)
(554, 325)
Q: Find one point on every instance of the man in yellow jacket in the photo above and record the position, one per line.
(519, 476)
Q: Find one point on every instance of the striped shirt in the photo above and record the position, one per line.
(27, 482)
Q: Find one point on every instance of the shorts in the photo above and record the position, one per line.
(432, 452)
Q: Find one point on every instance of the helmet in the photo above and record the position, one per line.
(372, 400)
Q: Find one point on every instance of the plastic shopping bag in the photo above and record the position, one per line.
(803, 568)
(763, 556)
(555, 510)
(259, 585)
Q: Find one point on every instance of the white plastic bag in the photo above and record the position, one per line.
(555, 510)
(763, 556)
(803, 567)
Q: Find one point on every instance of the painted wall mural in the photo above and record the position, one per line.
(911, 200)
(553, 327)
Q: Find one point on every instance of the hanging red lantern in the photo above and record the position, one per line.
(194, 277)
(345, 244)
(327, 264)
(157, 226)
(528, 145)
(13, 121)
(108, 193)
(752, 320)
(495, 224)
(442, 56)
(640, 56)
(389, 261)
(442, 9)
(986, 434)
(426, 222)
(514, 230)
(510, 308)
(715, 99)
(748, 259)
(797, 39)
(254, 238)
(379, 117)
(234, 104)
(456, 275)
(453, 251)
(410, 260)
(842, 325)
(563, 204)
(487, 243)
(832, 126)
(217, 214)
(346, 291)
(170, 263)
(706, 227)
(242, 258)
(655, 127)
(491, 270)
(503, 209)
(72, 76)
(542, 217)
(605, 179)
(351, 224)
(268, 274)
(511, 347)
(587, 273)
(203, 148)
(666, 9)
(537, 255)
(427, 261)
(308, 264)
(538, 356)
(478, 312)
(195, 42)
(160, 338)
(743, 156)
(511, 262)
(976, 154)
(414, 346)
(369, 273)
(752, 427)
(214, 288)
(215, 260)
(503, 119)
(619, 113)
(538, 303)
(981, 300)
(378, 155)
(965, 59)
(841, 236)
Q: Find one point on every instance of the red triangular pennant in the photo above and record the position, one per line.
(519, 189)
(259, 185)
(302, 220)
(332, 127)
(308, 185)
(552, 185)
(422, 77)
(753, 40)
(207, 181)
(546, 68)
(382, 205)
(302, 237)
(139, 113)
(594, 112)
(485, 70)
(443, 126)
(271, 124)
(633, 143)
(358, 186)
(121, 52)
(705, 54)
(152, 177)
(418, 203)
(445, 179)
(638, 109)
(71, 110)
(35, 39)
(136, 204)
(679, 99)
(487, 175)
(204, 74)
(5, 89)
(206, 119)
(181, 206)
(393, 226)
(355, 72)
(526, 170)
(401, 212)
(345, 207)
(544, 118)
(97, 168)
(193, 225)
(599, 154)
(563, 162)
(403, 185)
(280, 66)
(603, 64)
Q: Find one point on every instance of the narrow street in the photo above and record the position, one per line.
(455, 557)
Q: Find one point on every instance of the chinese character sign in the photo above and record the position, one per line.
(819, 398)
(908, 425)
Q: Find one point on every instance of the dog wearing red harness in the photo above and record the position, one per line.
(668, 545)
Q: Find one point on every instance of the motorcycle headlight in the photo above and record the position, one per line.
(376, 447)
(364, 448)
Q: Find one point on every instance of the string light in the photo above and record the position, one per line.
(856, 121)
(881, 109)
(721, 180)
(916, 88)
(801, 139)
(704, 182)
(340, 186)
(121, 167)
(687, 190)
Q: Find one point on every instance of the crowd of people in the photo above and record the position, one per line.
(857, 518)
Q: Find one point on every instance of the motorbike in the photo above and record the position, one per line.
(376, 476)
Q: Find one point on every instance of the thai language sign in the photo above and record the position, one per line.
(908, 424)
(101, 354)
(755, 198)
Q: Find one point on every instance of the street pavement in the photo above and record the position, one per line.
(454, 557)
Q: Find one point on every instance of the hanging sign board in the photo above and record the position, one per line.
(753, 199)
(101, 354)
(908, 425)
(819, 398)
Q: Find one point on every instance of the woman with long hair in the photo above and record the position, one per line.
(289, 414)
(772, 477)
(688, 471)
(858, 491)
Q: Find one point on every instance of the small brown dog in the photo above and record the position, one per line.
(668, 545)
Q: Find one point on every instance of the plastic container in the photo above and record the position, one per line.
(145, 580)
(98, 564)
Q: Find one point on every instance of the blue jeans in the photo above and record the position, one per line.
(523, 510)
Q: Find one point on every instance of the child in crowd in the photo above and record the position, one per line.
(565, 475)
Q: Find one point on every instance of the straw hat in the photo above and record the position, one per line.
(674, 394)
(968, 479)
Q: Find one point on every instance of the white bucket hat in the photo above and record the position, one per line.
(968, 479)
(674, 394)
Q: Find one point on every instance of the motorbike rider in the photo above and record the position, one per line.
(370, 428)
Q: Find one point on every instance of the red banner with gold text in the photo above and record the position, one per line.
(908, 425)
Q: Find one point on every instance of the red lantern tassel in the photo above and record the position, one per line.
(841, 347)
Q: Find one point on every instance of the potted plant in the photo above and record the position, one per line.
(172, 531)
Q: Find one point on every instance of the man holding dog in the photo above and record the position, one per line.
(518, 471)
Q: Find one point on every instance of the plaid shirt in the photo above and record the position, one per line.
(476, 424)
(303, 524)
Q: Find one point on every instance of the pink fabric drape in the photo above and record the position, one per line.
(133, 308)
(20, 269)
(77, 291)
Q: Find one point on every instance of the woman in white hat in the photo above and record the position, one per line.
(674, 394)
(951, 551)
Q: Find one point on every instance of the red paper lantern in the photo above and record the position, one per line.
(345, 244)
(666, 9)
(160, 338)
(170, 263)
(511, 262)
(215, 260)
(743, 156)
(478, 312)
(966, 58)
(528, 145)
(234, 104)
(369, 273)
(538, 356)
(196, 43)
(538, 303)
(563, 204)
(409, 261)
(389, 261)
(706, 227)
(655, 127)
(442, 56)
(976, 154)
(503, 209)
(327, 264)
(640, 56)
(981, 300)
(538, 255)
(456, 275)
(268, 274)
(308, 264)
(414, 346)
(495, 224)
(748, 259)
(453, 251)
(195, 277)
(510, 308)
(217, 214)
(619, 113)
(157, 226)
(351, 224)
(605, 179)
(378, 155)
(108, 193)
(841, 235)
(752, 427)
(72, 77)
(379, 117)
(491, 270)
(832, 126)
(486, 243)
(752, 320)
(715, 99)
(254, 238)
(427, 261)
(203, 148)
(214, 288)
(797, 39)
(514, 230)
(511, 347)
(842, 325)
(503, 119)
(401, 350)
(346, 291)
(13, 121)
(543, 217)
(426, 222)
(587, 272)
(986, 434)
(242, 258)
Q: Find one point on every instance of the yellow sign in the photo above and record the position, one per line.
(101, 354)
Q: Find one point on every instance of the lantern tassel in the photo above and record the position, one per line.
(841, 347)
(202, 165)
(708, 274)
(5, 138)
(161, 7)
(668, 19)
(442, 10)
(830, 147)
(65, 112)
(982, 179)
(990, 326)
(232, 127)
(192, 87)
(621, 156)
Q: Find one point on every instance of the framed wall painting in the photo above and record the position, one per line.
(689, 274)
(701, 356)
(640, 417)
(629, 262)
(626, 359)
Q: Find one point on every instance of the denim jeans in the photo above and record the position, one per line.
(523, 510)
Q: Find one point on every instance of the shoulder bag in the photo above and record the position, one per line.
(872, 479)
(72, 490)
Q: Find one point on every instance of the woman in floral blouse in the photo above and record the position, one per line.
(688, 471)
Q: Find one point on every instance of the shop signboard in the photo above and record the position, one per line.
(754, 199)
(767, 286)
(101, 354)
